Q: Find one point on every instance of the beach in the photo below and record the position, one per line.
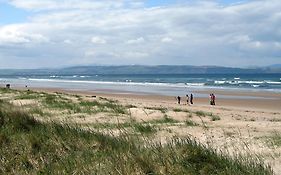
(248, 124)
(257, 101)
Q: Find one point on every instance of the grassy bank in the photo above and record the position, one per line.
(31, 147)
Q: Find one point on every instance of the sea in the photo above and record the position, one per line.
(159, 84)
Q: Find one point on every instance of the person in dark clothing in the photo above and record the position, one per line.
(179, 99)
(214, 99)
(191, 98)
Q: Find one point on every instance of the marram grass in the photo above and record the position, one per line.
(31, 147)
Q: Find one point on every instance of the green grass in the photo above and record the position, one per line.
(200, 113)
(165, 119)
(203, 114)
(31, 147)
(107, 106)
(215, 117)
(145, 128)
(37, 110)
(161, 109)
(27, 95)
(110, 125)
(89, 107)
(190, 123)
(180, 110)
(275, 139)
(6, 90)
(131, 106)
(57, 102)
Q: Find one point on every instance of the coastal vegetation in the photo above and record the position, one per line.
(48, 133)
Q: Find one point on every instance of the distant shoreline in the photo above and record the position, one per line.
(142, 87)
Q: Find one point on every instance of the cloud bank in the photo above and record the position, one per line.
(114, 32)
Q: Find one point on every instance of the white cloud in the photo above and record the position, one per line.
(136, 41)
(16, 34)
(67, 41)
(124, 31)
(167, 40)
(98, 40)
(41, 5)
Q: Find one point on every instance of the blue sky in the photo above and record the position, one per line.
(54, 33)
(10, 14)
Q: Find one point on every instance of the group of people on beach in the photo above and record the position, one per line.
(187, 99)
(212, 99)
(190, 99)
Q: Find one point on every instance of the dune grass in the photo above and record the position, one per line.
(161, 109)
(190, 123)
(215, 117)
(31, 147)
(181, 110)
(274, 139)
(108, 106)
(166, 119)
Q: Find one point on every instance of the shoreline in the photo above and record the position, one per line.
(265, 101)
(143, 88)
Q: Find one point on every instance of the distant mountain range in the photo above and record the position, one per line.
(141, 69)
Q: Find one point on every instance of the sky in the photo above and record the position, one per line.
(62, 33)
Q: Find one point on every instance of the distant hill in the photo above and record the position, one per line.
(275, 66)
(140, 69)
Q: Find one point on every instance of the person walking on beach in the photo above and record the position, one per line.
(187, 99)
(179, 99)
(214, 99)
(191, 98)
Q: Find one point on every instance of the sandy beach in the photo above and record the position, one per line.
(257, 101)
(238, 125)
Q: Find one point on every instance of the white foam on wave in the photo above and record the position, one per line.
(110, 83)
(243, 82)
(220, 82)
(273, 82)
(195, 84)
(236, 78)
(251, 82)
(22, 78)
(54, 76)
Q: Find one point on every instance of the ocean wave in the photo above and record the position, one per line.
(273, 82)
(54, 76)
(114, 83)
(195, 84)
(246, 82)
(22, 78)
(255, 86)
(220, 82)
